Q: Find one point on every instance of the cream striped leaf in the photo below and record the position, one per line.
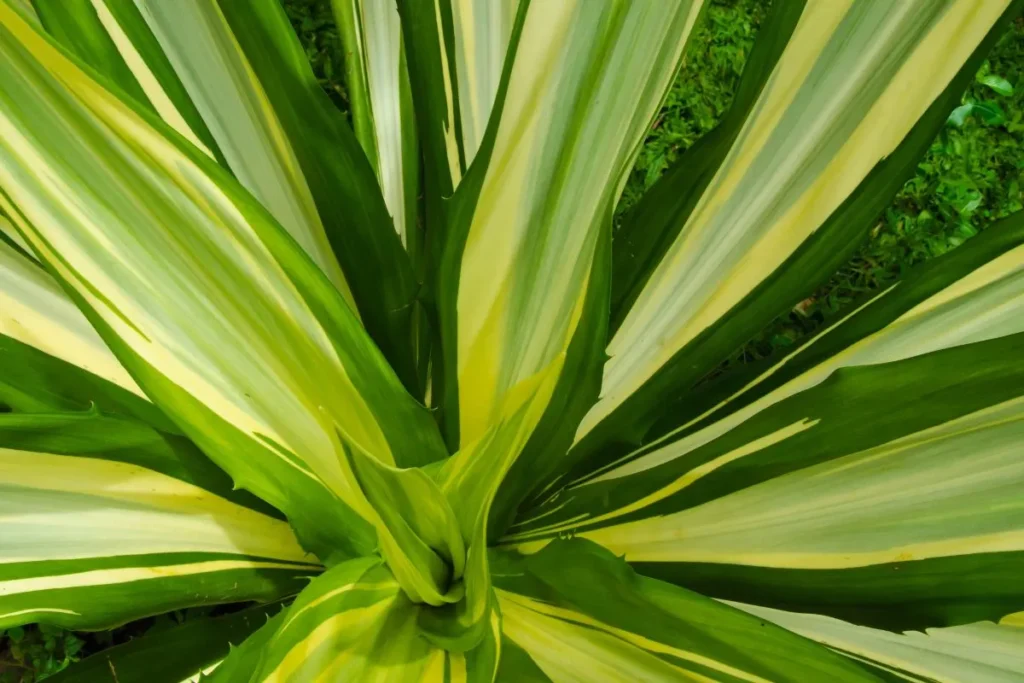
(575, 612)
(961, 654)
(353, 623)
(458, 50)
(381, 105)
(231, 77)
(113, 38)
(208, 303)
(854, 498)
(197, 40)
(79, 530)
(481, 29)
(913, 498)
(531, 223)
(973, 295)
(35, 311)
(969, 296)
(51, 358)
(851, 69)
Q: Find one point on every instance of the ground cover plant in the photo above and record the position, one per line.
(460, 462)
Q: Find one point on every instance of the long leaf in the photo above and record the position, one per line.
(92, 539)
(583, 85)
(210, 305)
(852, 103)
(968, 295)
(354, 624)
(35, 312)
(231, 78)
(975, 652)
(381, 105)
(580, 613)
(342, 182)
(853, 498)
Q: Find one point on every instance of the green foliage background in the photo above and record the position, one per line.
(972, 174)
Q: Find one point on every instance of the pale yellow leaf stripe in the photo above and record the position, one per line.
(551, 182)
(35, 311)
(380, 37)
(344, 646)
(482, 29)
(347, 588)
(195, 293)
(852, 82)
(38, 610)
(981, 651)
(914, 498)
(109, 577)
(675, 486)
(450, 132)
(145, 77)
(571, 646)
(59, 507)
(197, 40)
(986, 304)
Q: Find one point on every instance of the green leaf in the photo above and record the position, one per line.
(113, 38)
(989, 112)
(237, 70)
(964, 296)
(578, 385)
(850, 498)
(799, 188)
(210, 305)
(197, 40)
(416, 528)
(525, 231)
(975, 652)
(342, 182)
(51, 359)
(380, 98)
(351, 623)
(96, 539)
(997, 83)
(93, 434)
(652, 225)
(170, 655)
(242, 661)
(470, 480)
(580, 613)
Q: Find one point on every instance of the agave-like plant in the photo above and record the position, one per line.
(402, 386)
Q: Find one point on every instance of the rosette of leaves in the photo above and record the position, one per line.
(399, 385)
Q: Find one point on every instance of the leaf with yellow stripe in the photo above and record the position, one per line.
(208, 303)
(52, 359)
(352, 623)
(853, 498)
(783, 194)
(100, 531)
(380, 99)
(583, 82)
(982, 651)
(576, 612)
(231, 78)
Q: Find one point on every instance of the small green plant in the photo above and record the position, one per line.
(401, 386)
(30, 654)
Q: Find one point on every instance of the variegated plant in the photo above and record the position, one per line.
(400, 385)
